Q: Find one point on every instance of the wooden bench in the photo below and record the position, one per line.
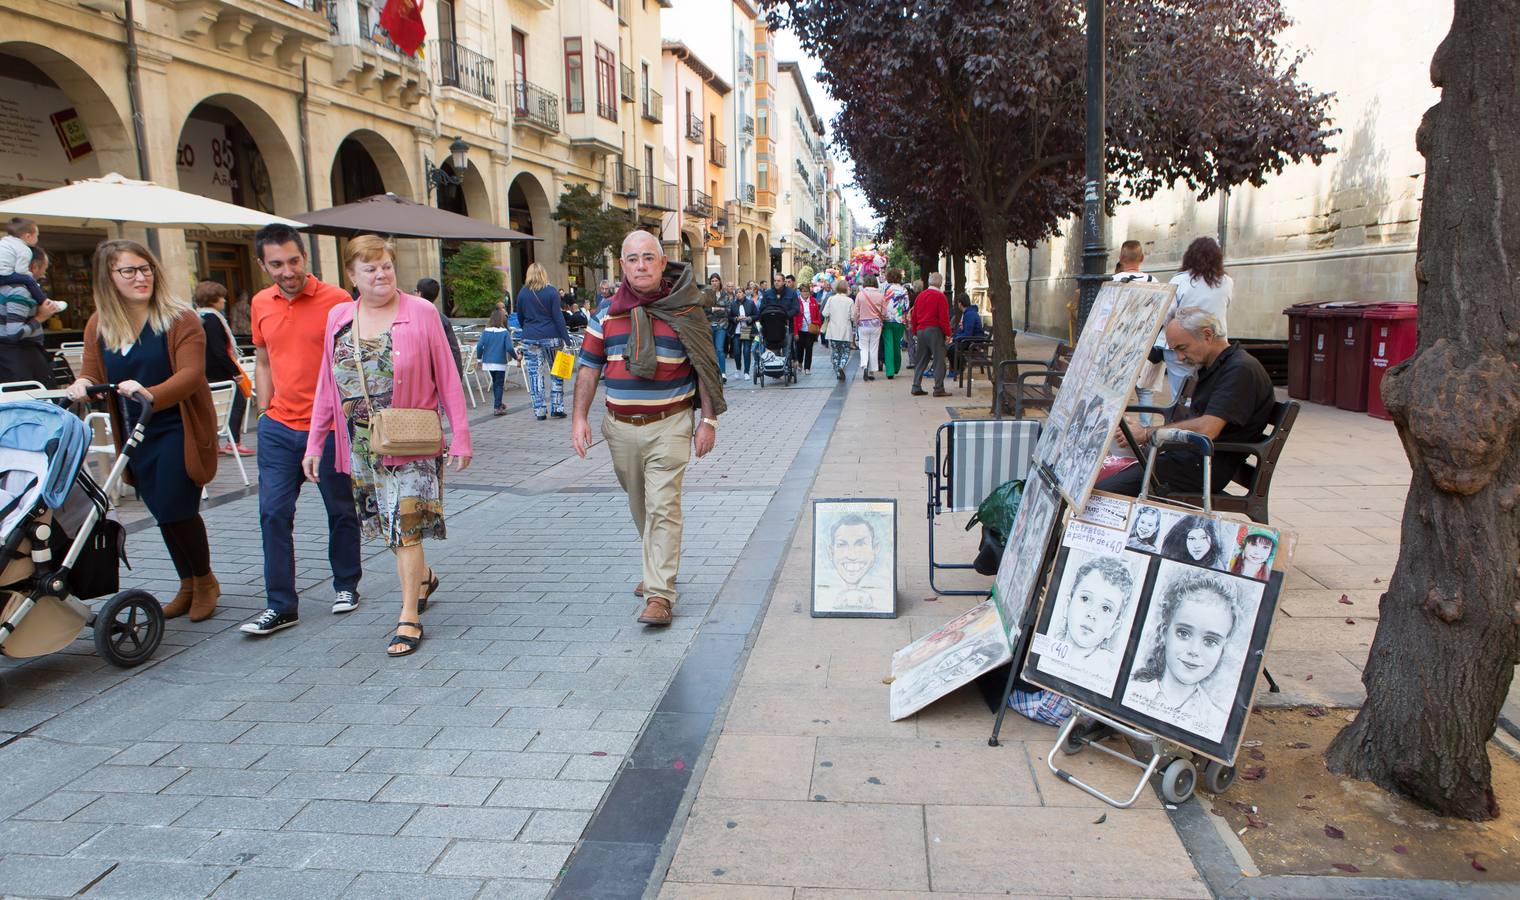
(1032, 389)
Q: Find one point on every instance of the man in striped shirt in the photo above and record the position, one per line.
(655, 352)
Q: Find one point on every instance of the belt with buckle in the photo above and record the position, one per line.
(651, 417)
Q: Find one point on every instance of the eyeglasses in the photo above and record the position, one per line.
(634, 259)
(130, 273)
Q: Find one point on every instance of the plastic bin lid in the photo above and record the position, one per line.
(1343, 308)
(1393, 311)
(1304, 308)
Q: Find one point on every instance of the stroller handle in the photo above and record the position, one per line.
(145, 406)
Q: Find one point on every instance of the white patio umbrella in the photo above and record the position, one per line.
(123, 201)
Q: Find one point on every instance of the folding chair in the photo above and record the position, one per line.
(471, 370)
(223, 393)
(971, 457)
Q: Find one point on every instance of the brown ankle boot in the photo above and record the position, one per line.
(207, 590)
(181, 602)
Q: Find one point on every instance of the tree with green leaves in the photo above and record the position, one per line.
(473, 281)
(596, 229)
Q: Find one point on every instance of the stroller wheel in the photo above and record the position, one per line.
(128, 628)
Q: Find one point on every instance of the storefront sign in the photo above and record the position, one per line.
(43, 142)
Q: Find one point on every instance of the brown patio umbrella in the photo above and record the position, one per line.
(396, 216)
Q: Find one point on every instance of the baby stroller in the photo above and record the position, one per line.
(59, 548)
(773, 351)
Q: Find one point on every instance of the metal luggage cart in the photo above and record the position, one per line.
(1179, 766)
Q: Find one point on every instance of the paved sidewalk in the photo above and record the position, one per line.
(309, 765)
(811, 792)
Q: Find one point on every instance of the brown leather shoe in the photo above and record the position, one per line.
(656, 612)
(181, 602)
(639, 591)
(206, 590)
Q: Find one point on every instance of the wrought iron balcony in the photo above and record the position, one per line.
(719, 153)
(698, 203)
(807, 230)
(535, 107)
(747, 124)
(747, 193)
(694, 129)
(659, 193)
(463, 68)
(606, 110)
(626, 88)
(625, 180)
(747, 66)
(654, 105)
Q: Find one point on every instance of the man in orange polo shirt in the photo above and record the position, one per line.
(289, 320)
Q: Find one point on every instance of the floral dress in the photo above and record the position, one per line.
(401, 504)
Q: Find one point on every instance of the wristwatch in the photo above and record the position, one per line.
(712, 422)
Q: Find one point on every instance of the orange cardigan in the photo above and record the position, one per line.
(187, 388)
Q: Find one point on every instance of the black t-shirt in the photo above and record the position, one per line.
(1238, 389)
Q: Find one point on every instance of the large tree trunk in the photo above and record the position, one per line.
(1448, 641)
(958, 270)
(999, 289)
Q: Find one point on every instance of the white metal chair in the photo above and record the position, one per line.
(223, 394)
(471, 373)
(73, 351)
(101, 455)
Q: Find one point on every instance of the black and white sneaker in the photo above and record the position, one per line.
(346, 601)
(269, 622)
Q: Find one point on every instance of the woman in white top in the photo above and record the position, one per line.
(837, 328)
(1201, 282)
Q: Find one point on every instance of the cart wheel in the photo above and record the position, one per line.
(1075, 741)
(1178, 781)
(1217, 778)
(128, 628)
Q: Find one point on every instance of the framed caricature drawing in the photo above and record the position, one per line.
(855, 557)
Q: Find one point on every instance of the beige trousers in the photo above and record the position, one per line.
(650, 462)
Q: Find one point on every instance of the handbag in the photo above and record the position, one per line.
(397, 431)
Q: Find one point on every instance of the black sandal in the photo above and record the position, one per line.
(410, 643)
(429, 587)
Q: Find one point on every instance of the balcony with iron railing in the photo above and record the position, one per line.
(694, 129)
(807, 230)
(659, 193)
(698, 203)
(462, 68)
(654, 105)
(535, 107)
(626, 83)
(718, 153)
(747, 193)
(625, 180)
(747, 124)
(747, 66)
(606, 110)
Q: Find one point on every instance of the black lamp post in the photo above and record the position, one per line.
(437, 178)
(1094, 249)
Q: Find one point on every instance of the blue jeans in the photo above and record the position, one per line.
(744, 345)
(280, 451)
(498, 384)
(720, 344)
(539, 355)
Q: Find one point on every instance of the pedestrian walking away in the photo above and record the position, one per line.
(289, 319)
(931, 322)
(1202, 283)
(150, 343)
(896, 323)
(388, 352)
(838, 327)
(653, 348)
(494, 350)
(543, 334)
(222, 359)
(870, 312)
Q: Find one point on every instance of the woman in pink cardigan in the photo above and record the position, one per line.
(407, 364)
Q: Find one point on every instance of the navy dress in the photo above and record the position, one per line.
(158, 464)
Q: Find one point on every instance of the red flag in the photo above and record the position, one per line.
(402, 20)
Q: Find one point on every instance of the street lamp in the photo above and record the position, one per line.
(1094, 250)
(437, 178)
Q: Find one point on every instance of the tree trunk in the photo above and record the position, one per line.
(999, 289)
(925, 266)
(1448, 639)
(958, 270)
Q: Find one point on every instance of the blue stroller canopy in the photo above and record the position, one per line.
(38, 427)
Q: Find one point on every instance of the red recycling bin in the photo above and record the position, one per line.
(1298, 347)
(1392, 334)
(1353, 354)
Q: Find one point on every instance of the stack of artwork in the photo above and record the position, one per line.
(1159, 616)
(936, 664)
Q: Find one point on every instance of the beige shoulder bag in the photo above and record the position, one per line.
(397, 431)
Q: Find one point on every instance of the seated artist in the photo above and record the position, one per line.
(1231, 404)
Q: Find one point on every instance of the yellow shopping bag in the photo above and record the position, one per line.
(564, 364)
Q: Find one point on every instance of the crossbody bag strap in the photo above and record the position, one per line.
(353, 333)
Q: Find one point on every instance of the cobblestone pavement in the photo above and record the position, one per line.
(307, 764)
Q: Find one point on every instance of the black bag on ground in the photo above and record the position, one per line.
(996, 515)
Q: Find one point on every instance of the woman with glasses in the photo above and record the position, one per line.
(150, 344)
